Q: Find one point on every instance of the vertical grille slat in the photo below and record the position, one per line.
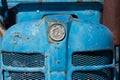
(23, 60)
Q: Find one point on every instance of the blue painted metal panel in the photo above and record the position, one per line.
(85, 11)
(22, 39)
(31, 34)
(94, 37)
(23, 11)
(89, 37)
(39, 1)
(33, 37)
(12, 3)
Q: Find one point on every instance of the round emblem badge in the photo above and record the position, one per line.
(57, 32)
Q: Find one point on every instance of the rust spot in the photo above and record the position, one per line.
(40, 0)
(57, 43)
(51, 42)
(46, 56)
(37, 25)
(16, 32)
(81, 69)
(50, 20)
(15, 42)
(58, 61)
(77, 20)
(89, 79)
(17, 36)
(28, 38)
(65, 72)
(80, 0)
(2, 30)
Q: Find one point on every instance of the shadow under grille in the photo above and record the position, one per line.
(23, 60)
(92, 58)
(26, 76)
(93, 75)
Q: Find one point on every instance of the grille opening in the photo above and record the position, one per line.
(92, 58)
(106, 74)
(23, 60)
(26, 76)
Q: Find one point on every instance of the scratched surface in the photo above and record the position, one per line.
(33, 37)
(29, 35)
(24, 12)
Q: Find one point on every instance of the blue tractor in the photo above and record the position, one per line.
(56, 40)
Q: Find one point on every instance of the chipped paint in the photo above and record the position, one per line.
(82, 35)
(39, 24)
(55, 54)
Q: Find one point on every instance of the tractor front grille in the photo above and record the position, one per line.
(26, 76)
(92, 58)
(92, 75)
(23, 60)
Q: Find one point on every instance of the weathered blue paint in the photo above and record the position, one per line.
(81, 35)
(87, 30)
(15, 2)
(23, 11)
(30, 35)
(92, 68)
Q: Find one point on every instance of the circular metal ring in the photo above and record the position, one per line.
(57, 32)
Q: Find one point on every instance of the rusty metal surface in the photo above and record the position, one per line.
(2, 29)
(111, 18)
